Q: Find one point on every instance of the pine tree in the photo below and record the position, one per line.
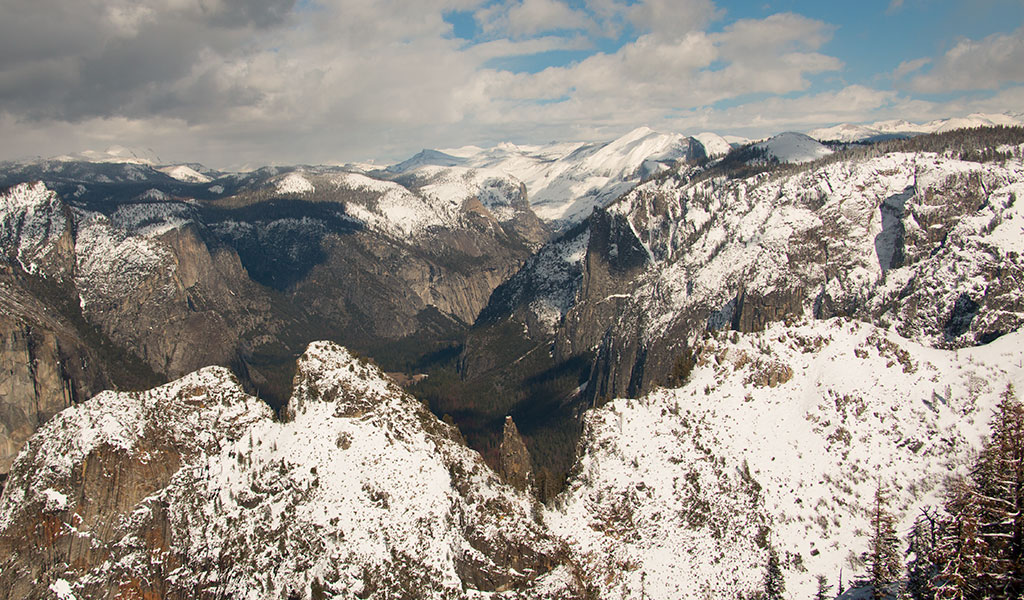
(883, 548)
(823, 588)
(999, 486)
(921, 547)
(981, 538)
(774, 584)
(960, 548)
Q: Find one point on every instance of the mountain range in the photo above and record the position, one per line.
(621, 369)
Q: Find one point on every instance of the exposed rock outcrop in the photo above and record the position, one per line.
(515, 467)
(246, 272)
(34, 385)
(192, 490)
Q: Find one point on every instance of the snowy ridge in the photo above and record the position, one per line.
(792, 426)
(389, 207)
(294, 183)
(450, 189)
(194, 410)
(767, 233)
(112, 262)
(848, 132)
(714, 144)
(362, 492)
(792, 147)
(151, 219)
(551, 279)
(564, 181)
(185, 173)
(569, 188)
(32, 221)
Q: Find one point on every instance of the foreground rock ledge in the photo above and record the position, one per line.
(193, 490)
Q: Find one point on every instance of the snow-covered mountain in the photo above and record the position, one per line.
(776, 439)
(921, 241)
(849, 132)
(157, 275)
(792, 147)
(186, 173)
(565, 182)
(361, 492)
(749, 346)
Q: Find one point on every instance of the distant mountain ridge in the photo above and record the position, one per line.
(718, 363)
(565, 182)
(848, 132)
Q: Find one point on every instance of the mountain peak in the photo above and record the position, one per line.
(793, 147)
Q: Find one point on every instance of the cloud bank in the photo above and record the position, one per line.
(231, 82)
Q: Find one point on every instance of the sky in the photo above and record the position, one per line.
(242, 83)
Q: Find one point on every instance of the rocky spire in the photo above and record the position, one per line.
(516, 467)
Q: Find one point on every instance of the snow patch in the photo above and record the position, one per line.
(294, 183)
(63, 590)
(185, 173)
(792, 147)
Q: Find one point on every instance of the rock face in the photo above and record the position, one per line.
(777, 438)
(192, 490)
(920, 240)
(516, 468)
(33, 385)
(122, 265)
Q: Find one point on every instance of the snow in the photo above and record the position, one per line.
(389, 207)
(426, 158)
(552, 278)
(792, 147)
(63, 590)
(112, 262)
(860, 404)
(294, 183)
(718, 236)
(564, 181)
(714, 144)
(189, 409)
(32, 220)
(360, 487)
(185, 173)
(55, 501)
(153, 194)
(848, 132)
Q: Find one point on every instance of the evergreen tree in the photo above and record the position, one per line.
(981, 539)
(774, 584)
(823, 589)
(921, 547)
(999, 486)
(883, 548)
(960, 548)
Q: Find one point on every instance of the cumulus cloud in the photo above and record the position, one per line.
(853, 103)
(229, 82)
(520, 18)
(657, 74)
(909, 66)
(986, 64)
(673, 18)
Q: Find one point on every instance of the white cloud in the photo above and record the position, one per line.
(909, 66)
(673, 18)
(658, 74)
(535, 16)
(236, 81)
(987, 64)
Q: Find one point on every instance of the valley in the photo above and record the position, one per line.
(631, 369)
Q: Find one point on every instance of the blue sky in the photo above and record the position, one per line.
(244, 82)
